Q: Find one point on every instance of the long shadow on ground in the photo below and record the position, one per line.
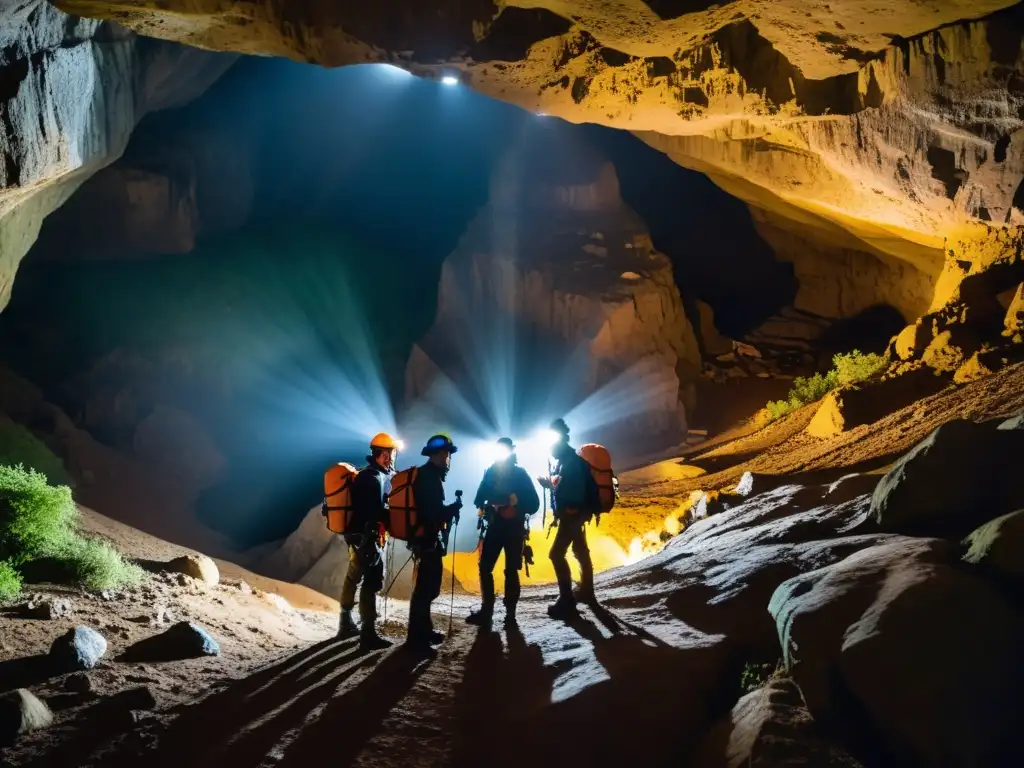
(207, 733)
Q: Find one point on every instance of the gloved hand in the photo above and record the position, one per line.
(480, 512)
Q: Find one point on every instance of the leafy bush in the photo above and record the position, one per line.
(19, 446)
(846, 369)
(96, 565)
(755, 676)
(854, 367)
(38, 521)
(10, 581)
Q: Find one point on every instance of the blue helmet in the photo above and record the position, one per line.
(439, 442)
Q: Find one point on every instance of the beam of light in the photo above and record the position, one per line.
(396, 72)
(310, 355)
(450, 80)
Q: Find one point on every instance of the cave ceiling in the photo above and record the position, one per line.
(887, 125)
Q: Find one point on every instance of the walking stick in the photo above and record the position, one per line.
(451, 605)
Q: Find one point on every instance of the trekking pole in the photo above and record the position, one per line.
(451, 605)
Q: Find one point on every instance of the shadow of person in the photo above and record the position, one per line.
(358, 713)
(205, 732)
(499, 698)
(615, 719)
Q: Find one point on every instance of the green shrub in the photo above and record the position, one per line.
(10, 581)
(846, 369)
(36, 519)
(854, 367)
(96, 565)
(19, 446)
(754, 676)
(39, 521)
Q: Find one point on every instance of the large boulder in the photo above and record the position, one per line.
(199, 567)
(184, 640)
(770, 728)
(914, 650)
(956, 479)
(558, 280)
(720, 572)
(998, 548)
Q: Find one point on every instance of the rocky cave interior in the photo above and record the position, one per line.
(226, 259)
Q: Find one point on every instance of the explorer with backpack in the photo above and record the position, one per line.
(582, 487)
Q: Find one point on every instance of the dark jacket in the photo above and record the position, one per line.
(570, 466)
(503, 478)
(369, 498)
(428, 490)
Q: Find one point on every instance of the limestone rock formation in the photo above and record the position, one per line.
(155, 202)
(556, 291)
(73, 91)
(924, 650)
(951, 482)
(997, 548)
(878, 141)
(769, 726)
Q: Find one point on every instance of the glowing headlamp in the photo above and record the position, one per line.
(399, 445)
(548, 437)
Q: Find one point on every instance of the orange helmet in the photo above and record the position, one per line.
(384, 441)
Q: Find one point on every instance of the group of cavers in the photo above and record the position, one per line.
(367, 506)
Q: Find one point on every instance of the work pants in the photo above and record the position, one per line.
(508, 536)
(571, 530)
(426, 589)
(366, 565)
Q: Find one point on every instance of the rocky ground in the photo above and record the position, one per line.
(855, 601)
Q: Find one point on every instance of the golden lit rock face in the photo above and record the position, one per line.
(885, 127)
(853, 111)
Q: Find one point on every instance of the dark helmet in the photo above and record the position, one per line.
(507, 442)
(439, 442)
(559, 426)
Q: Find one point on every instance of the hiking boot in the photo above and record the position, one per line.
(419, 645)
(347, 626)
(585, 596)
(563, 609)
(511, 620)
(373, 642)
(434, 637)
(481, 618)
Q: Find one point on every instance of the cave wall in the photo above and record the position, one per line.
(841, 282)
(71, 91)
(554, 292)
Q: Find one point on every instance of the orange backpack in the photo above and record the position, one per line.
(403, 513)
(337, 506)
(600, 463)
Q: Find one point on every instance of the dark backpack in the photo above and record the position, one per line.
(572, 489)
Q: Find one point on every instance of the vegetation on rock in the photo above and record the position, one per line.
(38, 521)
(846, 369)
